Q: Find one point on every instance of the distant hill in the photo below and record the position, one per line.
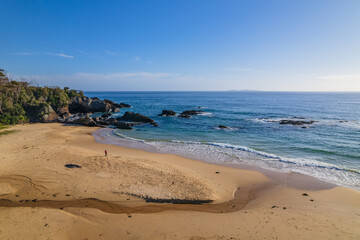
(245, 90)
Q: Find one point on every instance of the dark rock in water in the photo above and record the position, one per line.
(134, 117)
(223, 127)
(111, 121)
(124, 105)
(72, 166)
(299, 118)
(117, 105)
(188, 113)
(184, 116)
(123, 125)
(167, 113)
(296, 122)
(115, 110)
(106, 115)
(343, 121)
(154, 124)
(192, 112)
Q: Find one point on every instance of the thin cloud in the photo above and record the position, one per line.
(60, 55)
(239, 69)
(136, 58)
(125, 75)
(340, 77)
(111, 53)
(39, 53)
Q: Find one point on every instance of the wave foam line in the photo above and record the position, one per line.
(246, 149)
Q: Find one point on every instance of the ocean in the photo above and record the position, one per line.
(328, 149)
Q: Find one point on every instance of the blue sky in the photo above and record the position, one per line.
(183, 45)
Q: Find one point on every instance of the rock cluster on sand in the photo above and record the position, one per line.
(91, 105)
(127, 121)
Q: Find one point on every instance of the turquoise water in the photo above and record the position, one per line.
(328, 149)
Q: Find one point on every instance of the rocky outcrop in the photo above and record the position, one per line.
(91, 105)
(82, 120)
(222, 127)
(41, 112)
(116, 106)
(88, 105)
(106, 115)
(296, 122)
(123, 125)
(167, 113)
(134, 117)
(111, 121)
(63, 112)
(87, 121)
(188, 113)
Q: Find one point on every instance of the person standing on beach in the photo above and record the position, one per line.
(105, 153)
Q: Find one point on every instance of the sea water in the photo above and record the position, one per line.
(328, 149)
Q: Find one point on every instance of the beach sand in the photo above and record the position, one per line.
(114, 197)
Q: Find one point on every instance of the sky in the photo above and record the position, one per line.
(181, 45)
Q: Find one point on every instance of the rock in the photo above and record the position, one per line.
(87, 105)
(134, 117)
(223, 127)
(188, 113)
(184, 116)
(117, 105)
(296, 122)
(106, 115)
(111, 121)
(115, 110)
(87, 121)
(123, 125)
(70, 165)
(124, 105)
(41, 112)
(83, 120)
(100, 121)
(167, 113)
(192, 112)
(63, 112)
(154, 124)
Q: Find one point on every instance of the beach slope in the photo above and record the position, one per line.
(56, 183)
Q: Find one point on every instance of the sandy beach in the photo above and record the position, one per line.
(129, 194)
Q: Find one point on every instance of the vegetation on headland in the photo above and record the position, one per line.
(20, 101)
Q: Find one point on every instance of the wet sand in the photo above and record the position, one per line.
(118, 196)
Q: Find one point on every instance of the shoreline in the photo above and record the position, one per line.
(291, 179)
(106, 195)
